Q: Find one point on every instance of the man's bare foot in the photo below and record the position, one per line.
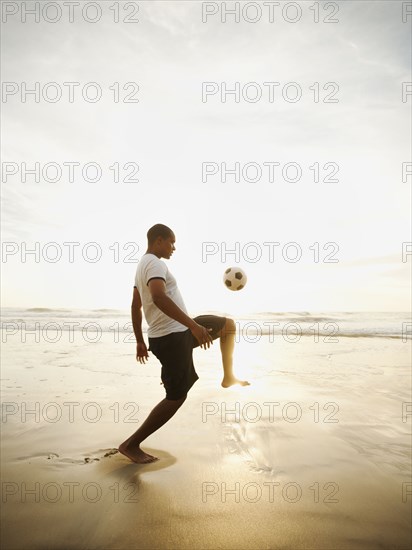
(136, 454)
(227, 382)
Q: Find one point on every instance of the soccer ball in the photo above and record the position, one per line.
(234, 278)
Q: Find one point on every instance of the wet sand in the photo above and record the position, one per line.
(315, 453)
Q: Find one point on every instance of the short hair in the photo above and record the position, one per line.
(158, 230)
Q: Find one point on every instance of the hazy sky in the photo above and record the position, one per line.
(170, 132)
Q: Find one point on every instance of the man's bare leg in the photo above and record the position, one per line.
(227, 345)
(157, 417)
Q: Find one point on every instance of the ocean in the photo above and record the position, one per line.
(251, 326)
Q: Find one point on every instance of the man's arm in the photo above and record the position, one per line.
(141, 350)
(157, 289)
(137, 316)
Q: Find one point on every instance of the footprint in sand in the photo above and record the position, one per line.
(87, 460)
(107, 454)
(52, 455)
(48, 456)
(110, 452)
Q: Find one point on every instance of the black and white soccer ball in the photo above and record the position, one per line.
(234, 278)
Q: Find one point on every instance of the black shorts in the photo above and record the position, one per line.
(175, 352)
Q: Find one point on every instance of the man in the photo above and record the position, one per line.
(172, 336)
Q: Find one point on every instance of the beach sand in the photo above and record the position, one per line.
(315, 455)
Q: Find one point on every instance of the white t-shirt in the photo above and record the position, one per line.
(160, 324)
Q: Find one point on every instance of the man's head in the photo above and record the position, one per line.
(160, 241)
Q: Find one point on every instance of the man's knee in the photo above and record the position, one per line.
(229, 328)
(179, 401)
(230, 325)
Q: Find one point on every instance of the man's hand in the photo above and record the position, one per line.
(202, 335)
(141, 352)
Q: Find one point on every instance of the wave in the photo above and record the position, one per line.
(287, 324)
(40, 309)
(250, 334)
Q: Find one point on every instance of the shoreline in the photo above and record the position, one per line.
(270, 452)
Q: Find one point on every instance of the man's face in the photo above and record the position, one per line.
(168, 246)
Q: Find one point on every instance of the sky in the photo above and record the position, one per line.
(175, 142)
